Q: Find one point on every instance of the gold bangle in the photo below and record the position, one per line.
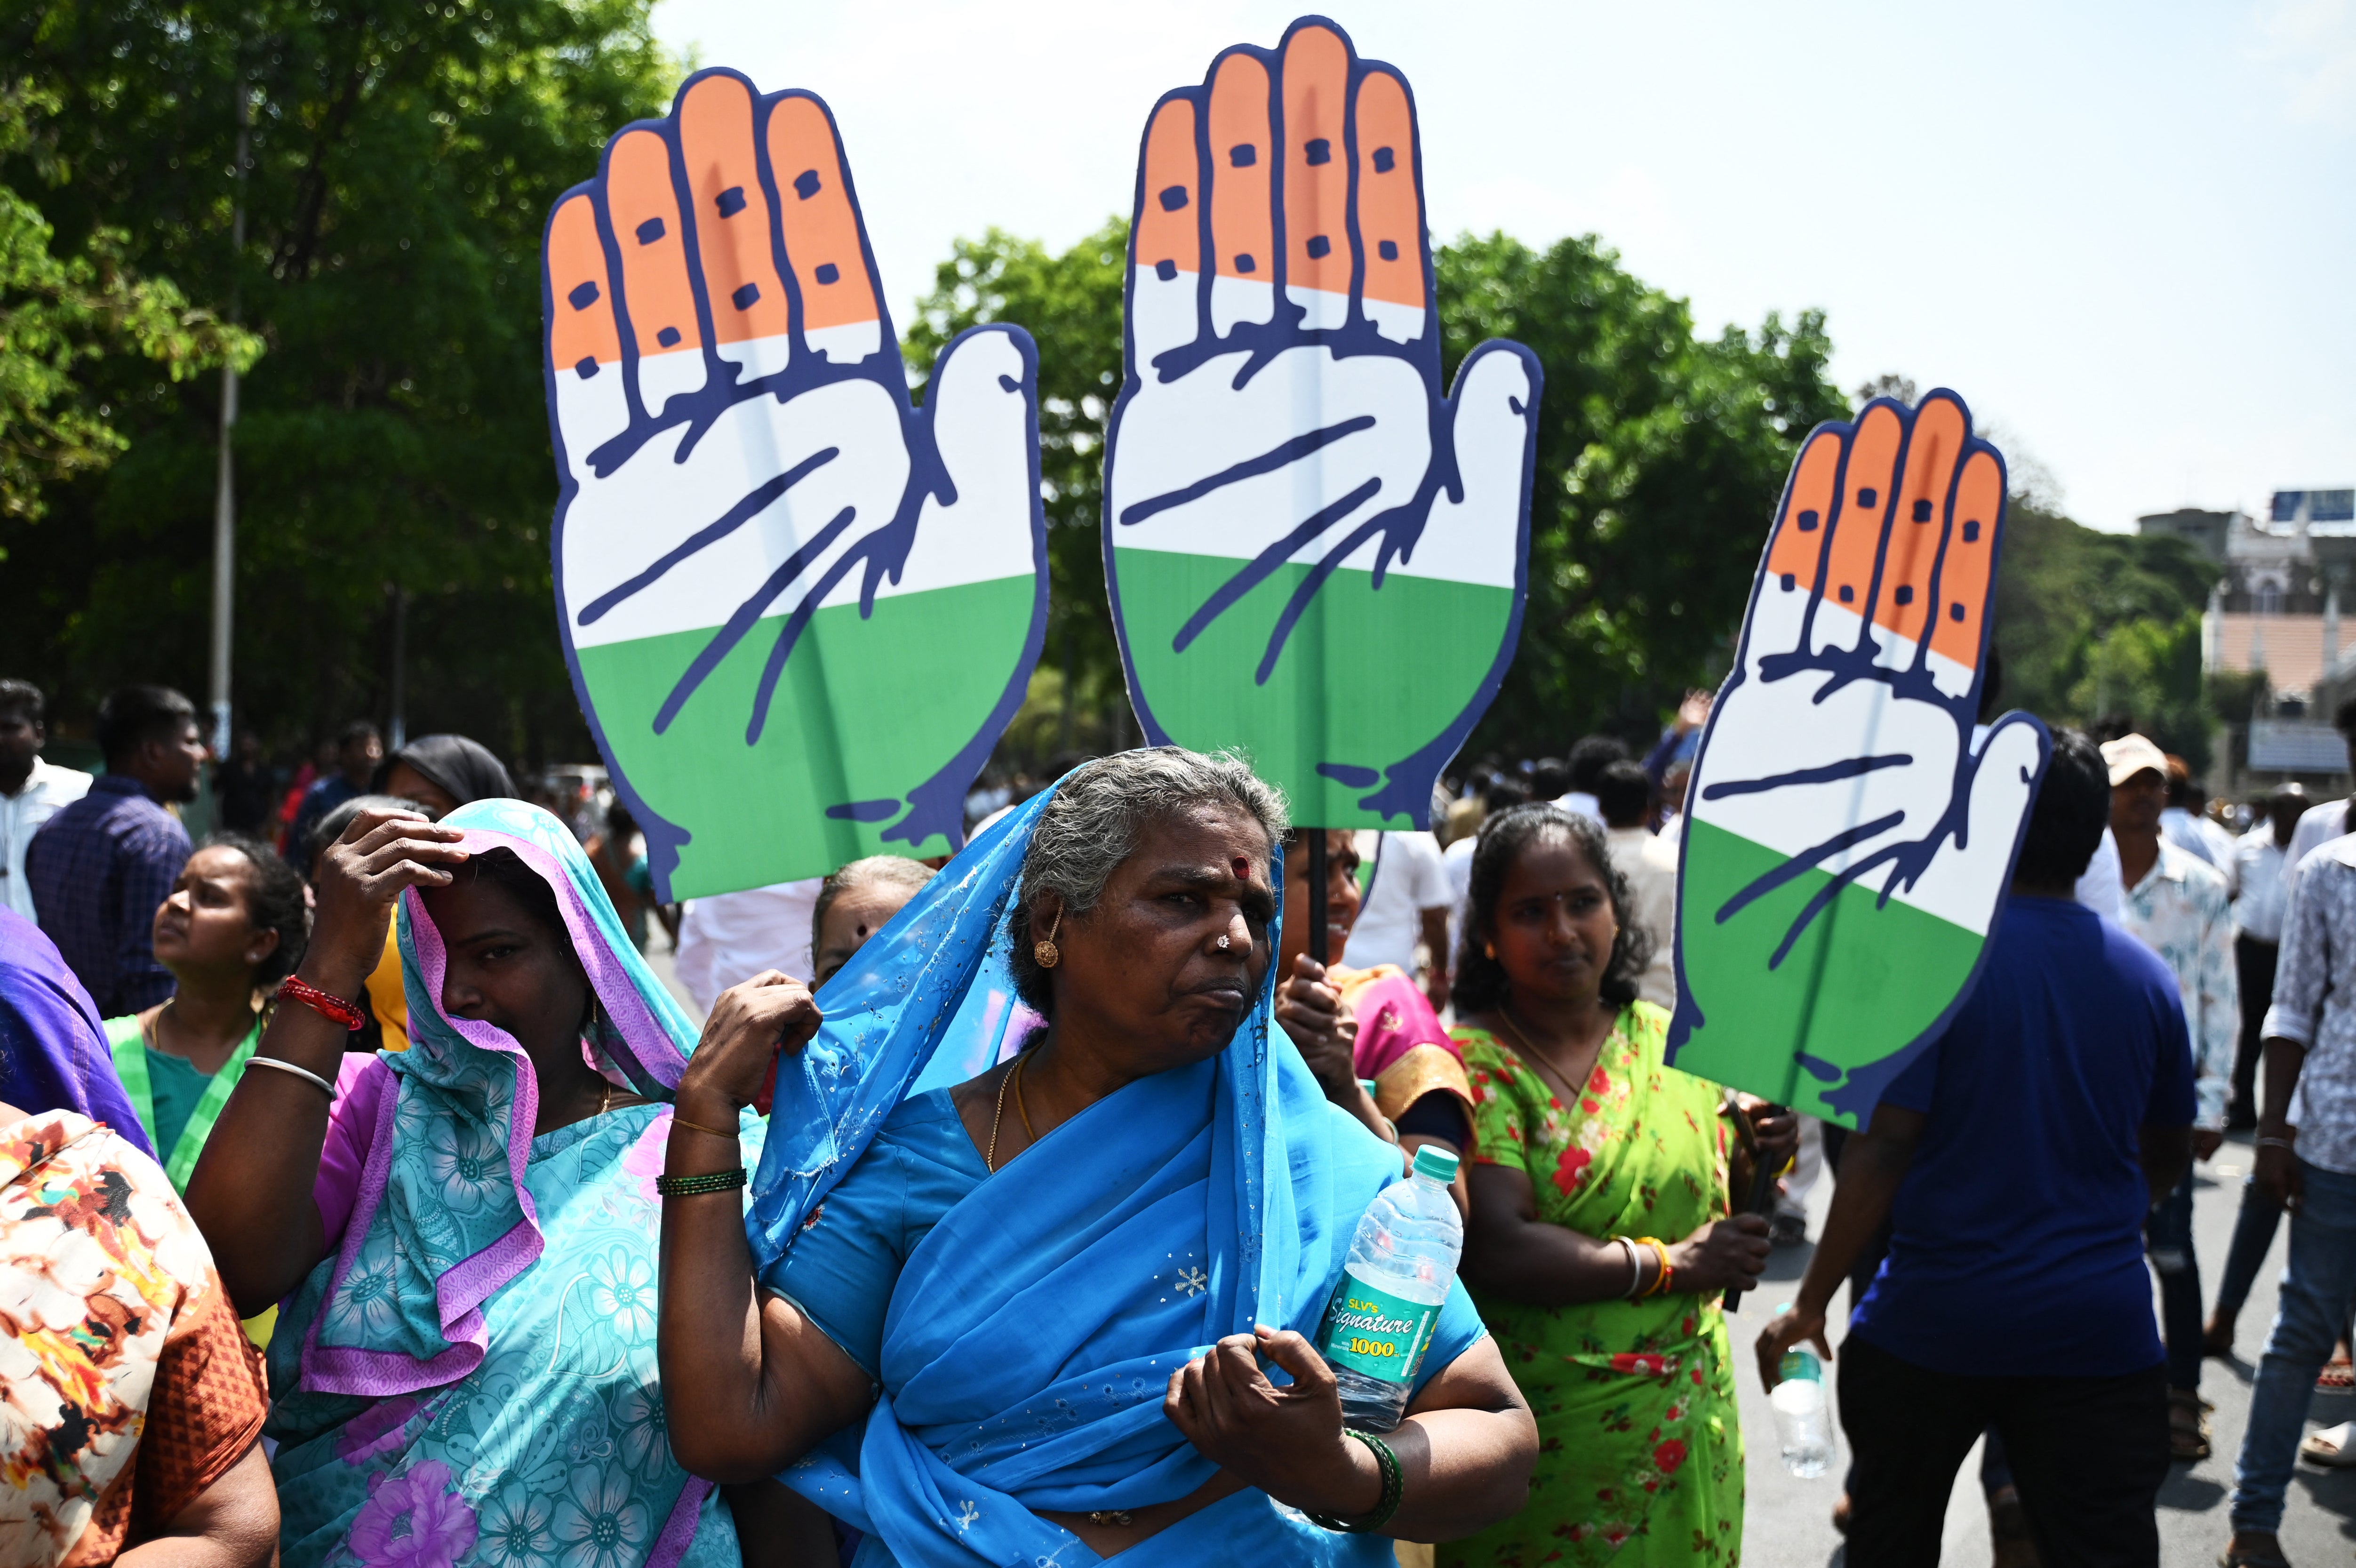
(1660, 1280)
(679, 1120)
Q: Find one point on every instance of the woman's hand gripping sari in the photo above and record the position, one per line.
(1030, 1334)
(469, 1378)
(1640, 1456)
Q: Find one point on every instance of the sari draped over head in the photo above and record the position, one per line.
(470, 1376)
(53, 1049)
(1030, 1335)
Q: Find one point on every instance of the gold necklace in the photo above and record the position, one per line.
(1505, 1013)
(990, 1159)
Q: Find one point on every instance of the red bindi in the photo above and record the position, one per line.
(1241, 867)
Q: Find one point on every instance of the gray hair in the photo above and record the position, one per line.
(1098, 815)
(873, 871)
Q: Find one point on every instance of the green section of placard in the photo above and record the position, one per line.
(1862, 970)
(927, 663)
(1368, 676)
(1369, 1330)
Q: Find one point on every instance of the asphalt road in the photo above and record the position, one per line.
(1788, 1523)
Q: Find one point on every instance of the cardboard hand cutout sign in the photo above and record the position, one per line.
(1313, 554)
(1849, 831)
(798, 613)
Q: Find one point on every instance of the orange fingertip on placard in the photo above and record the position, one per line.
(644, 208)
(1864, 502)
(731, 211)
(1390, 217)
(580, 298)
(1915, 530)
(1316, 68)
(1800, 537)
(1965, 572)
(1243, 224)
(820, 228)
(1168, 229)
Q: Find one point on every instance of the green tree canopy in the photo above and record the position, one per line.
(404, 159)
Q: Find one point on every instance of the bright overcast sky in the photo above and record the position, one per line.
(2125, 235)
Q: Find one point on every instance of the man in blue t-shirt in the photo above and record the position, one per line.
(2015, 1159)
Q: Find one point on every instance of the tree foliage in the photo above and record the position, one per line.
(404, 159)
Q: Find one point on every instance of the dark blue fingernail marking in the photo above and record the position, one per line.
(585, 367)
(1956, 611)
(1319, 245)
(1905, 593)
(1165, 270)
(668, 336)
(806, 184)
(1244, 263)
(582, 297)
(1808, 522)
(1173, 198)
(1243, 154)
(1790, 581)
(1868, 497)
(1848, 594)
(828, 272)
(743, 298)
(1384, 161)
(1320, 150)
(651, 230)
(1387, 250)
(1971, 533)
(1922, 511)
(731, 201)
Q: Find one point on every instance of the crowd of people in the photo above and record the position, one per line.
(366, 1197)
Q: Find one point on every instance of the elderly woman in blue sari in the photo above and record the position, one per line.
(464, 1232)
(1065, 1307)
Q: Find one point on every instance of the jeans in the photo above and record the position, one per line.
(2319, 1288)
(2254, 967)
(2168, 1234)
(2087, 1453)
(2254, 1235)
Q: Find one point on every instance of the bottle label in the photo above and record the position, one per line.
(1800, 1365)
(1371, 1331)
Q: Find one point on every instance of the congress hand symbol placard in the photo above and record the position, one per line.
(1313, 554)
(798, 613)
(1851, 832)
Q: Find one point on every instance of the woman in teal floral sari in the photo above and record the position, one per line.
(464, 1370)
(1599, 1240)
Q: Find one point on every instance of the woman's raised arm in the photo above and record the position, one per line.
(250, 1192)
(749, 1384)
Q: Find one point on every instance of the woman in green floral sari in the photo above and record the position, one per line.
(1600, 1238)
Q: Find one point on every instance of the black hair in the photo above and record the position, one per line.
(274, 901)
(1504, 792)
(1548, 778)
(354, 733)
(133, 715)
(22, 697)
(331, 827)
(1480, 983)
(618, 821)
(1589, 755)
(2343, 718)
(2073, 808)
(1623, 792)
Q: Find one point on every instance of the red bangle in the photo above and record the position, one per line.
(292, 989)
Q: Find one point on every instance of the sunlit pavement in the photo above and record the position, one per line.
(1789, 1522)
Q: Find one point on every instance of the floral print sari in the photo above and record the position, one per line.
(1640, 1445)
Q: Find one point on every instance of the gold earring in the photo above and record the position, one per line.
(1045, 951)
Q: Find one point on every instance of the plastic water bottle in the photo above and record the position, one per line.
(1803, 1418)
(1401, 1262)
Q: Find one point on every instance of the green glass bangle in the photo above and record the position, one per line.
(692, 1186)
(1394, 1490)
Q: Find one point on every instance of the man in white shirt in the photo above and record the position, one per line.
(1407, 904)
(1624, 792)
(2182, 825)
(2324, 821)
(728, 938)
(2259, 857)
(31, 791)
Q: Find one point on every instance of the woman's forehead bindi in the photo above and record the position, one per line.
(1242, 866)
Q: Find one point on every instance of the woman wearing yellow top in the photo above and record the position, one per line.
(1600, 1238)
(234, 926)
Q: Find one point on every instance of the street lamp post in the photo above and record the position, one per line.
(225, 485)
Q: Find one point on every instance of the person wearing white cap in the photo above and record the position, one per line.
(2179, 907)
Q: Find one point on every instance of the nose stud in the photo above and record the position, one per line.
(1224, 943)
